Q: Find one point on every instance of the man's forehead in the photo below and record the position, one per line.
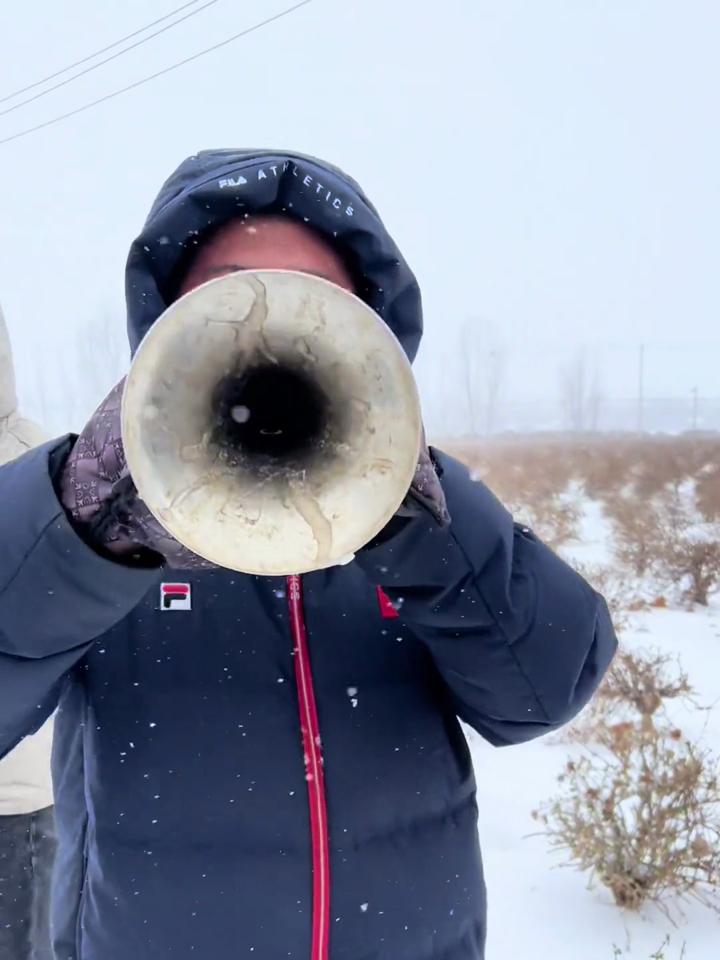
(223, 269)
(267, 241)
(254, 230)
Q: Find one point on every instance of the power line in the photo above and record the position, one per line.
(97, 53)
(113, 56)
(160, 73)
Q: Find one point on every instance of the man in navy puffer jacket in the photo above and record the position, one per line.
(251, 766)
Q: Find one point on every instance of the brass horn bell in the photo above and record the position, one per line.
(271, 422)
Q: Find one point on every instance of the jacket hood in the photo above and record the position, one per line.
(8, 397)
(215, 186)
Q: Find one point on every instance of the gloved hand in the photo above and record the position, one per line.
(426, 489)
(98, 493)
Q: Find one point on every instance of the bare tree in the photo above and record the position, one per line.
(471, 373)
(594, 400)
(580, 393)
(484, 366)
(495, 373)
(100, 358)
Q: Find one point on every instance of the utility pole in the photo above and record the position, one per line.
(641, 390)
(695, 407)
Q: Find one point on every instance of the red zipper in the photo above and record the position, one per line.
(313, 774)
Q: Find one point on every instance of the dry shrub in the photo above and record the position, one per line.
(523, 469)
(659, 954)
(643, 817)
(637, 532)
(697, 563)
(667, 535)
(613, 585)
(661, 492)
(647, 463)
(534, 482)
(637, 686)
(605, 464)
(553, 518)
(641, 811)
(708, 492)
(644, 681)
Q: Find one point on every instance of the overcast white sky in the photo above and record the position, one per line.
(549, 168)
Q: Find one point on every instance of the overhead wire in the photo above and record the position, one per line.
(153, 76)
(113, 56)
(97, 53)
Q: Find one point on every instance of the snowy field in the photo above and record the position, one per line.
(539, 909)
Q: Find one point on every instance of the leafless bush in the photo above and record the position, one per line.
(708, 492)
(661, 493)
(641, 812)
(604, 464)
(534, 485)
(689, 545)
(698, 563)
(635, 689)
(643, 817)
(645, 681)
(524, 470)
(660, 954)
(637, 533)
(554, 518)
(668, 535)
(613, 585)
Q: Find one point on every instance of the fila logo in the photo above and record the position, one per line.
(237, 181)
(175, 596)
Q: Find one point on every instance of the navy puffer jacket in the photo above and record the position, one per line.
(256, 767)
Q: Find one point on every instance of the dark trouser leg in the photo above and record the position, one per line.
(15, 887)
(27, 850)
(44, 844)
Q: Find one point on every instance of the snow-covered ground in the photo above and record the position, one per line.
(537, 908)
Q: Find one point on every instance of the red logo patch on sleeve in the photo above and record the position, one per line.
(387, 609)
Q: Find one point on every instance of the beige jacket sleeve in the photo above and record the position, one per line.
(25, 781)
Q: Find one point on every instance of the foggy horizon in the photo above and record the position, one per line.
(548, 171)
